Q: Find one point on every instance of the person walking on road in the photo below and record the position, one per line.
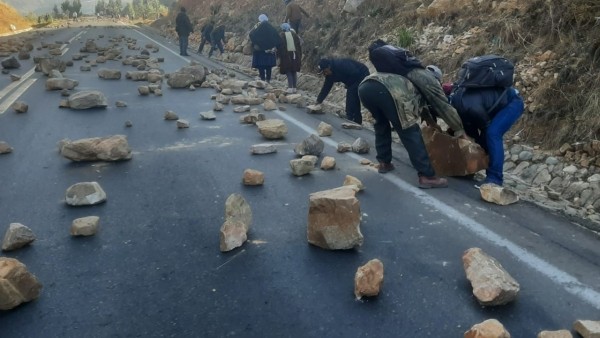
(217, 37)
(205, 32)
(184, 28)
(290, 56)
(265, 39)
(393, 99)
(350, 73)
(293, 14)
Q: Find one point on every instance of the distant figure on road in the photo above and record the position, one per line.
(74, 16)
(184, 28)
(217, 37)
(392, 98)
(290, 56)
(264, 39)
(350, 73)
(205, 32)
(13, 27)
(293, 14)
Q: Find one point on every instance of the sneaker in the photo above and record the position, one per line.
(432, 182)
(290, 90)
(385, 167)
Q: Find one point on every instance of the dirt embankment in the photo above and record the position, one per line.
(10, 16)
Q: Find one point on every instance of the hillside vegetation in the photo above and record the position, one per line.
(554, 43)
(8, 16)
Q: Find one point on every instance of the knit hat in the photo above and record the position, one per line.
(324, 63)
(436, 72)
(263, 18)
(286, 26)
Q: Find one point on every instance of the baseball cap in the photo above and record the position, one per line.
(324, 63)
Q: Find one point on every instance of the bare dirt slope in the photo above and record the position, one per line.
(8, 16)
(555, 44)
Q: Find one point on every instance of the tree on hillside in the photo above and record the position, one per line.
(100, 7)
(65, 6)
(76, 7)
(129, 10)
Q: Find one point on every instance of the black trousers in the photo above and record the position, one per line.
(378, 100)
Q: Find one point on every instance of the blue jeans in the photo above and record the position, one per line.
(499, 125)
(183, 44)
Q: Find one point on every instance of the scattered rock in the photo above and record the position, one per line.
(301, 166)
(351, 180)
(312, 145)
(269, 105)
(87, 99)
(272, 129)
(365, 161)
(218, 106)
(55, 74)
(18, 285)
(496, 194)
(492, 285)
(360, 146)
(252, 118)
(171, 115)
(17, 236)
(368, 279)
(10, 63)
(109, 148)
(61, 83)
(344, 147)
(490, 328)
(128, 124)
(144, 90)
(47, 65)
(334, 219)
(324, 129)
(20, 107)
(85, 68)
(241, 109)
(5, 148)
(587, 328)
(253, 177)
(85, 193)
(14, 77)
(555, 334)
(181, 123)
(315, 109)
(109, 74)
(351, 125)
(328, 163)
(207, 115)
(238, 217)
(263, 148)
(121, 104)
(85, 226)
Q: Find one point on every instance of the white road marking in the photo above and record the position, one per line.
(163, 46)
(562, 278)
(13, 85)
(14, 96)
(76, 36)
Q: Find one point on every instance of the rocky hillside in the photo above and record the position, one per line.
(554, 43)
(9, 16)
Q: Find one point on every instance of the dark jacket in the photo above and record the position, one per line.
(217, 34)
(206, 30)
(289, 61)
(389, 59)
(293, 12)
(264, 36)
(473, 104)
(347, 71)
(183, 26)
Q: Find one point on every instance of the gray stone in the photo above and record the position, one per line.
(85, 226)
(520, 168)
(109, 74)
(61, 83)
(575, 189)
(110, 148)
(14, 77)
(360, 146)
(272, 129)
(269, 105)
(85, 193)
(87, 99)
(570, 169)
(241, 109)
(328, 163)
(128, 124)
(351, 125)
(312, 145)
(551, 160)
(542, 177)
(344, 147)
(20, 107)
(144, 90)
(594, 178)
(207, 115)
(47, 65)
(10, 63)
(181, 123)
(324, 129)
(5, 148)
(516, 149)
(218, 106)
(17, 236)
(171, 115)
(55, 74)
(263, 148)
(238, 218)
(301, 166)
(85, 68)
(525, 155)
(121, 104)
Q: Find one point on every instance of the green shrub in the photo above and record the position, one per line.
(404, 38)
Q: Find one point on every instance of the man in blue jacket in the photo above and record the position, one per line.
(184, 28)
(350, 73)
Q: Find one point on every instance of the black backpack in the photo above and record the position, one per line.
(486, 71)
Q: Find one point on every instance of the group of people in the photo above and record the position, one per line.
(400, 94)
(209, 33)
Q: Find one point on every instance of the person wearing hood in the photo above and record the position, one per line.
(293, 14)
(290, 56)
(217, 37)
(205, 33)
(265, 39)
(184, 28)
(350, 73)
(390, 59)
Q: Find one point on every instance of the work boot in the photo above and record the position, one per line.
(385, 167)
(432, 182)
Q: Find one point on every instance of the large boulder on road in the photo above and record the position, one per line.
(87, 99)
(17, 284)
(111, 148)
(47, 65)
(11, 63)
(109, 74)
(186, 76)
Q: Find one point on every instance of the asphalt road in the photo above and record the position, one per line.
(155, 269)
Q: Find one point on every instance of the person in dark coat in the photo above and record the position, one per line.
(184, 28)
(290, 56)
(205, 32)
(265, 39)
(293, 14)
(217, 37)
(350, 73)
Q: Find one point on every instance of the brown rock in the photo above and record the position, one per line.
(368, 279)
(17, 236)
(324, 129)
(555, 334)
(272, 129)
(451, 156)
(328, 163)
(490, 328)
(17, 285)
(492, 285)
(334, 219)
(351, 180)
(20, 107)
(587, 328)
(496, 194)
(238, 218)
(253, 177)
(5, 148)
(85, 226)
(110, 148)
